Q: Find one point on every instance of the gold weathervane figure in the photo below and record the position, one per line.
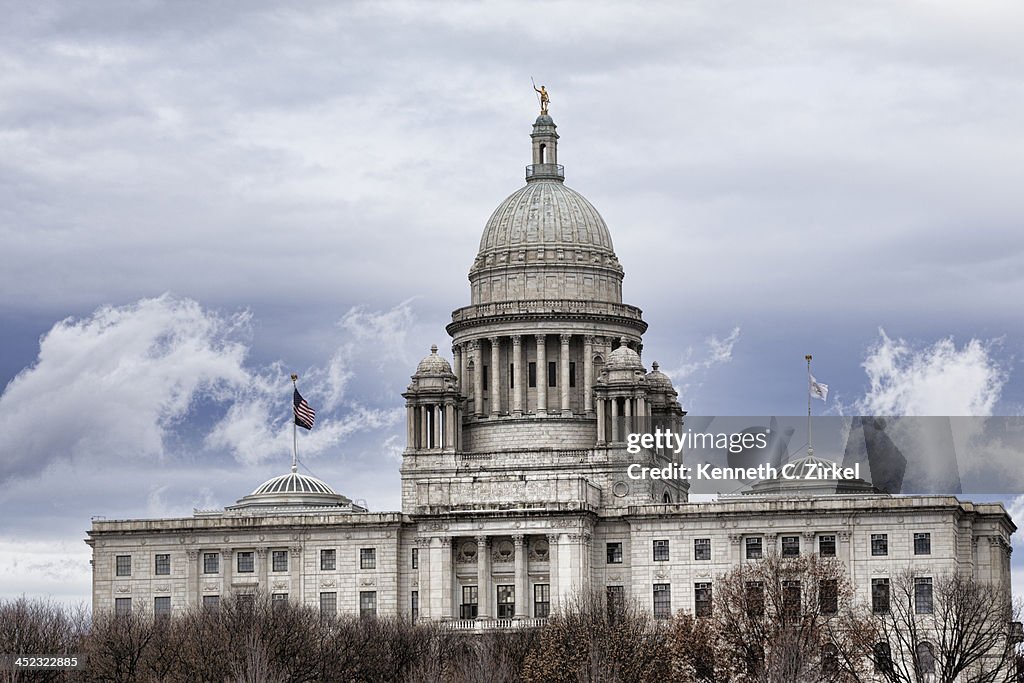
(544, 99)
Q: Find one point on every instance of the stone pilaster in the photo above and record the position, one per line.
(588, 374)
(517, 375)
(478, 379)
(193, 575)
(495, 375)
(542, 375)
(483, 577)
(522, 580)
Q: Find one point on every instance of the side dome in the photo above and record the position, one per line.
(658, 380)
(624, 358)
(433, 365)
(294, 490)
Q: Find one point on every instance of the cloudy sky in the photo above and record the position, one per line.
(197, 199)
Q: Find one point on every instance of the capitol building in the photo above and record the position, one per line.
(515, 492)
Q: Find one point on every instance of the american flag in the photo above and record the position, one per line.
(304, 415)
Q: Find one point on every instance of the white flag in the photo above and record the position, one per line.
(818, 390)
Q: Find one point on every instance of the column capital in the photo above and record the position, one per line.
(226, 552)
(589, 339)
(422, 542)
(518, 540)
(552, 539)
(566, 338)
(446, 541)
(494, 339)
(844, 536)
(193, 555)
(483, 540)
(735, 539)
(261, 552)
(540, 337)
(517, 339)
(296, 550)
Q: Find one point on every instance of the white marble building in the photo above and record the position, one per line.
(514, 486)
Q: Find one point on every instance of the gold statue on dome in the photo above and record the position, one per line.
(544, 99)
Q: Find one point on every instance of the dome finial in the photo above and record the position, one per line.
(542, 95)
(433, 349)
(654, 366)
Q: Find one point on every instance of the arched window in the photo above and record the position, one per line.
(925, 658)
(543, 151)
(667, 498)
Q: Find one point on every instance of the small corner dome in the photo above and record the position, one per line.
(656, 379)
(433, 365)
(544, 120)
(624, 358)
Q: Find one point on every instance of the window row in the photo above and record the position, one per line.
(506, 601)
(531, 375)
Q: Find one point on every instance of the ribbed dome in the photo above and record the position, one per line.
(293, 482)
(433, 365)
(548, 214)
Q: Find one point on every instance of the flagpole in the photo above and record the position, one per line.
(810, 448)
(295, 430)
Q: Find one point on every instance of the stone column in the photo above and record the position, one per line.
(424, 426)
(627, 422)
(641, 414)
(410, 427)
(517, 375)
(522, 581)
(564, 362)
(478, 379)
(601, 438)
(193, 575)
(615, 419)
(542, 376)
(553, 553)
(463, 365)
(588, 372)
(495, 374)
(447, 573)
(449, 425)
(483, 577)
(435, 411)
(457, 365)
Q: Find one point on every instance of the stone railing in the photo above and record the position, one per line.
(546, 307)
(479, 625)
(568, 453)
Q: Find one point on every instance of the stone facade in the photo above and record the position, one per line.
(514, 487)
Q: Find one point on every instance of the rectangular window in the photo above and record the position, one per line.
(614, 553)
(616, 599)
(246, 562)
(879, 596)
(531, 369)
(414, 605)
(702, 599)
(661, 551)
(415, 558)
(467, 610)
(506, 602)
(280, 560)
(328, 605)
(162, 565)
(328, 560)
(541, 600)
(211, 563)
(827, 546)
(123, 565)
(246, 601)
(790, 546)
(879, 544)
(662, 600)
(755, 548)
(552, 373)
(572, 373)
(367, 558)
(923, 595)
(790, 599)
(702, 548)
(211, 602)
(278, 600)
(923, 544)
(828, 596)
(162, 607)
(367, 603)
(122, 606)
(755, 598)
(511, 375)
(486, 375)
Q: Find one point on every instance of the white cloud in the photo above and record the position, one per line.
(686, 374)
(936, 379)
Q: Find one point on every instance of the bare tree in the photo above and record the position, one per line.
(948, 629)
(783, 619)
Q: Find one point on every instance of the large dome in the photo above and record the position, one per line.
(546, 214)
(545, 242)
(294, 490)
